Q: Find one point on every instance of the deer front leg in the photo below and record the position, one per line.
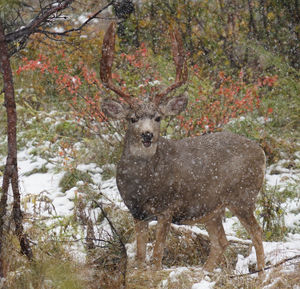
(162, 229)
(141, 230)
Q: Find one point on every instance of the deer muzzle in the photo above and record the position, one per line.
(147, 138)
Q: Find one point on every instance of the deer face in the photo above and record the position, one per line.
(144, 121)
(144, 125)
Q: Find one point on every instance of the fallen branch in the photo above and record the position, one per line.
(268, 267)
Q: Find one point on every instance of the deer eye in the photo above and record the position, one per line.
(158, 119)
(133, 120)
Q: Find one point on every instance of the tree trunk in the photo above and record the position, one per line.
(251, 25)
(11, 169)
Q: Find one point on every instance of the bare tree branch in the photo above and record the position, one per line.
(66, 32)
(43, 16)
(40, 19)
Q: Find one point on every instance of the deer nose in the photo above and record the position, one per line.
(147, 135)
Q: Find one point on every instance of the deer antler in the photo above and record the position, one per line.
(181, 67)
(106, 62)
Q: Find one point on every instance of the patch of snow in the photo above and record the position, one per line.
(110, 191)
(292, 220)
(154, 82)
(131, 250)
(273, 283)
(48, 120)
(72, 194)
(58, 29)
(176, 273)
(163, 284)
(229, 225)
(82, 19)
(97, 178)
(242, 265)
(283, 177)
(88, 167)
(275, 252)
(39, 184)
(280, 180)
(203, 285)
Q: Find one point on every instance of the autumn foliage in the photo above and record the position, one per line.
(229, 99)
(209, 109)
(79, 85)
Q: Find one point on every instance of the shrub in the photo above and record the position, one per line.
(70, 179)
(272, 213)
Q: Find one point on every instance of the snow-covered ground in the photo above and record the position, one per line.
(37, 185)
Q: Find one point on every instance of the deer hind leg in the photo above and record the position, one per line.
(162, 229)
(141, 229)
(218, 242)
(250, 223)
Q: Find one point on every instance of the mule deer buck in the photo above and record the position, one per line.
(184, 181)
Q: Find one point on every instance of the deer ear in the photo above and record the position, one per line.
(175, 105)
(114, 109)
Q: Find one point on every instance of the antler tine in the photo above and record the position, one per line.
(106, 62)
(181, 67)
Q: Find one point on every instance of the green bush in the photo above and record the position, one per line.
(70, 179)
(272, 213)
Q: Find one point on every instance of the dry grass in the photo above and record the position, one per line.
(279, 278)
(185, 248)
(145, 279)
(184, 278)
(53, 267)
(59, 270)
(107, 266)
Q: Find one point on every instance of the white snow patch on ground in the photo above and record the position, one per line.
(38, 183)
(283, 176)
(275, 252)
(203, 285)
(174, 275)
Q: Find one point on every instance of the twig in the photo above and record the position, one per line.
(110, 224)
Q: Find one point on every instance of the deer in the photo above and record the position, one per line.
(187, 181)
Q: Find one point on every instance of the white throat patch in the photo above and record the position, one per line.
(139, 150)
